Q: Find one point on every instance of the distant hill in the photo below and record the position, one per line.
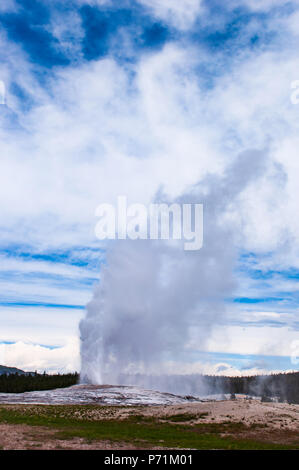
(10, 370)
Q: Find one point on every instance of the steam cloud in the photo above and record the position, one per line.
(152, 293)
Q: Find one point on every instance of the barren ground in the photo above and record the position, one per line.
(240, 419)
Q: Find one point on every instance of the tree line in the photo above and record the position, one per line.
(18, 383)
(283, 387)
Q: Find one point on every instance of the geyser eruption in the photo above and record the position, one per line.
(152, 293)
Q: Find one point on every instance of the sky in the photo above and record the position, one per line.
(105, 98)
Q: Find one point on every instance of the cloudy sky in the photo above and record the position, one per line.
(106, 98)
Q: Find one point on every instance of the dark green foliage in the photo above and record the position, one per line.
(282, 387)
(181, 417)
(18, 383)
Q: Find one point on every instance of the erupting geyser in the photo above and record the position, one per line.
(152, 293)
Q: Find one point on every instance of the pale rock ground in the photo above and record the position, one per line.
(248, 410)
(281, 422)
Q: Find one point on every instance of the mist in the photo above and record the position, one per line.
(153, 294)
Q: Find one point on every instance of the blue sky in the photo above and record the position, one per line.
(107, 98)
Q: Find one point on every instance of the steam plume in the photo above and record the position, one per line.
(153, 293)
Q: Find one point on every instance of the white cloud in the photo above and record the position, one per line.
(164, 126)
(181, 14)
(208, 368)
(264, 5)
(9, 263)
(94, 114)
(8, 6)
(31, 357)
(264, 340)
(39, 325)
(259, 5)
(43, 290)
(94, 2)
(267, 314)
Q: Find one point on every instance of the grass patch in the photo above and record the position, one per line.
(184, 417)
(136, 429)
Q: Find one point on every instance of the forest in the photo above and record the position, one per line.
(283, 387)
(18, 383)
